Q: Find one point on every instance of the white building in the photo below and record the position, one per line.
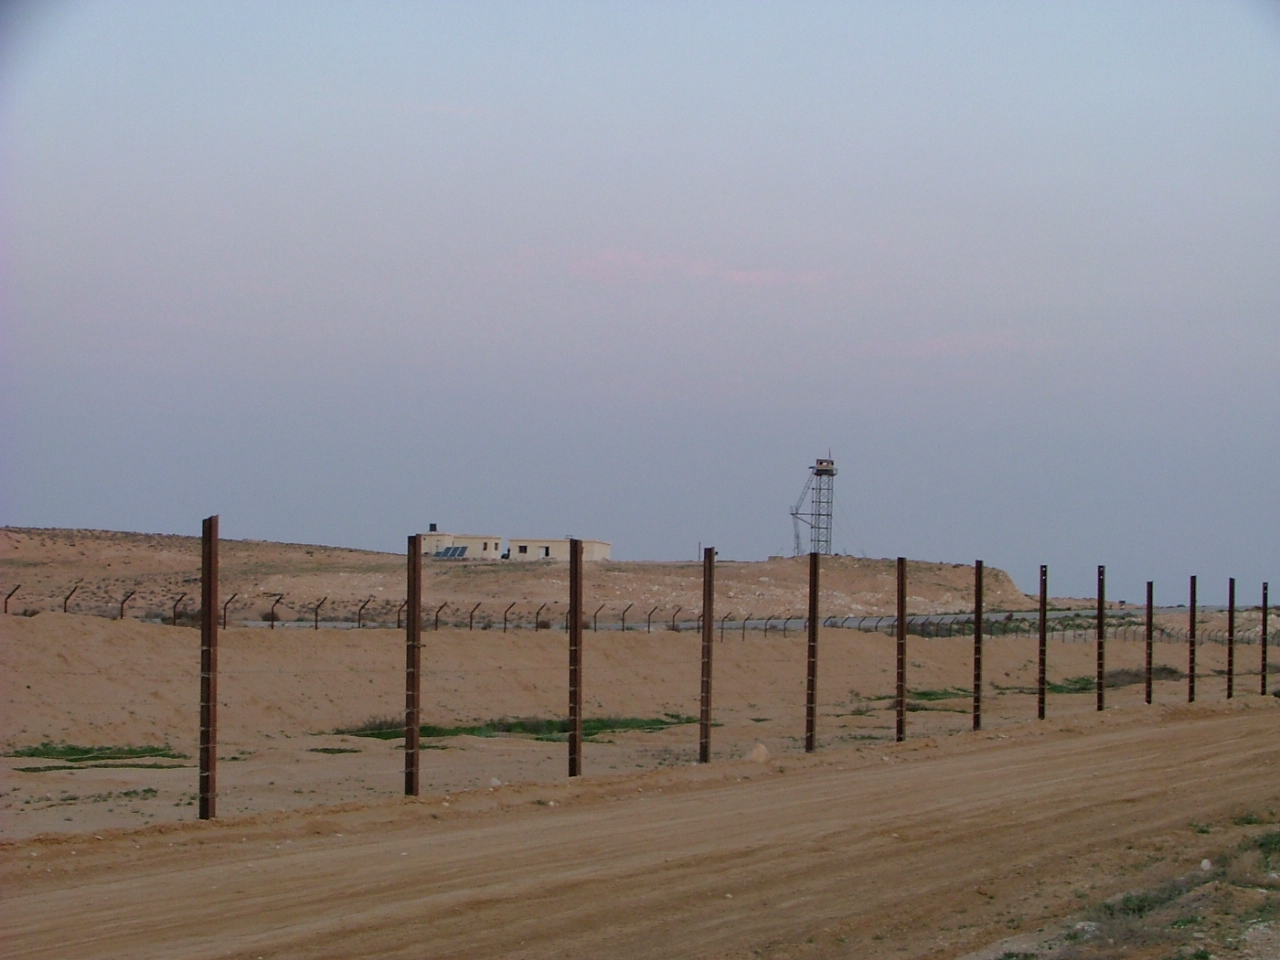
(461, 546)
(557, 549)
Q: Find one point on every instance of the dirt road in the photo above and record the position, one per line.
(926, 849)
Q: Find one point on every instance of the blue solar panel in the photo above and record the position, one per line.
(450, 553)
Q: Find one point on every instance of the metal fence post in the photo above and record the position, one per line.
(708, 625)
(413, 667)
(1151, 629)
(1041, 679)
(209, 669)
(1101, 682)
(1231, 637)
(1191, 645)
(901, 686)
(977, 644)
(125, 599)
(1263, 639)
(575, 658)
(811, 680)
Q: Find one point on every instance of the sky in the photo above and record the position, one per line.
(335, 271)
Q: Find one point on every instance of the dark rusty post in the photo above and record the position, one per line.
(174, 620)
(537, 618)
(745, 621)
(471, 617)
(125, 599)
(274, 603)
(504, 615)
(209, 669)
(977, 644)
(708, 625)
(1191, 646)
(901, 687)
(67, 599)
(648, 621)
(575, 658)
(360, 613)
(8, 595)
(413, 666)
(1101, 682)
(673, 618)
(1041, 682)
(595, 619)
(1151, 630)
(624, 616)
(400, 614)
(811, 679)
(437, 620)
(316, 614)
(1263, 639)
(1231, 637)
(226, 603)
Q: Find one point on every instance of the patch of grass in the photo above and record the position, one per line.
(1190, 921)
(1114, 679)
(1269, 844)
(1128, 677)
(537, 727)
(1015, 955)
(108, 766)
(952, 693)
(384, 728)
(1263, 913)
(332, 750)
(1246, 820)
(1136, 905)
(1072, 685)
(1198, 827)
(74, 753)
(917, 707)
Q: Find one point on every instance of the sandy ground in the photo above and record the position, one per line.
(939, 847)
(94, 682)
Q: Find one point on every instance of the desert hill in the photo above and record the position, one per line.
(103, 566)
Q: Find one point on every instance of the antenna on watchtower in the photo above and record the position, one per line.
(818, 517)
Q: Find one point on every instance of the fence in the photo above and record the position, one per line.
(415, 616)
